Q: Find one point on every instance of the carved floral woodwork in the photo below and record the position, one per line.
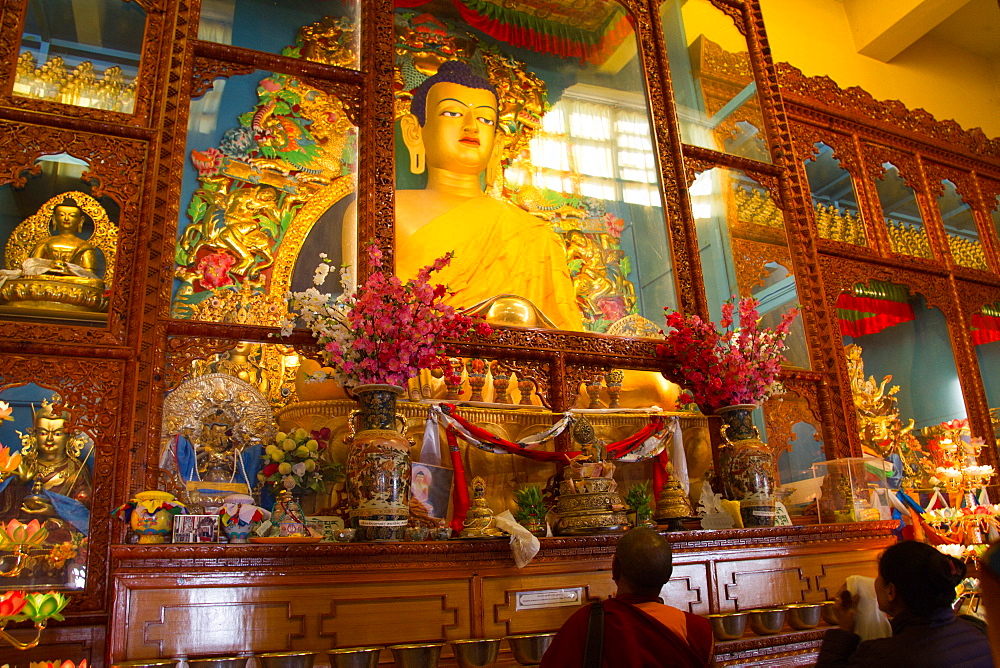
(751, 259)
(115, 169)
(824, 95)
(799, 403)
(207, 70)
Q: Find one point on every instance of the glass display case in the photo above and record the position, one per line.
(852, 489)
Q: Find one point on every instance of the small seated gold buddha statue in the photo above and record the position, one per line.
(673, 506)
(50, 266)
(479, 520)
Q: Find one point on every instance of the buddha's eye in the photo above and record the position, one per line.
(487, 121)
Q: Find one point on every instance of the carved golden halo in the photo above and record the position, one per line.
(36, 228)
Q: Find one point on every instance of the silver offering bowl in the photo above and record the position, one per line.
(417, 655)
(477, 652)
(829, 612)
(354, 657)
(804, 616)
(217, 662)
(287, 659)
(528, 648)
(768, 621)
(728, 625)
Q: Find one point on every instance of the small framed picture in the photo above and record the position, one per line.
(196, 529)
(430, 491)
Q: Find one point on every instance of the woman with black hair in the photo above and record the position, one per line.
(916, 588)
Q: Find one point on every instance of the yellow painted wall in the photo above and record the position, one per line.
(815, 36)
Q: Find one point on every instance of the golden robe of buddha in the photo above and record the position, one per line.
(65, 248)
(499, 248)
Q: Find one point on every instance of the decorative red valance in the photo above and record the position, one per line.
(866, 315)
(985, 328)
(550, 36)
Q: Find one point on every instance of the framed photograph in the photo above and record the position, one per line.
(430, 490)
(196, 529)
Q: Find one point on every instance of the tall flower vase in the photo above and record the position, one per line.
(378, 466)
(746, 466)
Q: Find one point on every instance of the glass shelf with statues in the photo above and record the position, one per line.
(59, 260)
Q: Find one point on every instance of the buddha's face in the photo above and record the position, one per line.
(459, 128)
(51, 438)
(67, 218)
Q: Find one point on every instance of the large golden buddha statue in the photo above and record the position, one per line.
(49, 263)
(499, 248)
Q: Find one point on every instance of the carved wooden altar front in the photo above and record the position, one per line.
(175, 600)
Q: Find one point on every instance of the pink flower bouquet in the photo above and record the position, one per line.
(727, 366)
(387, 330)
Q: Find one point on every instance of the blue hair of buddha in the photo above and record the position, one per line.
(450, 71)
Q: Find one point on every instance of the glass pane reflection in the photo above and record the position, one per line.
(986, 338)
(712, 79)
(261, 146)
(562, 175)
(81, 53)
(960, 226)
(896, 335)
(835, 204)
(744, 252)
(903, 219)
(323, 31)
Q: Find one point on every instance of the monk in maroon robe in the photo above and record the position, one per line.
(639, 630)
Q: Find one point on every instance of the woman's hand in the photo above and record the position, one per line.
(847, 609)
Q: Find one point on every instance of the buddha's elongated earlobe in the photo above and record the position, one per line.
(493, 166)
(417, 160)
(414, 139)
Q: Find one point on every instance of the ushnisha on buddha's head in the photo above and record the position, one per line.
(452, 122)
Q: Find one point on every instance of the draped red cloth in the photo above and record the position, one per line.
(513, 448)
(460, 491)
(985, 328)
(660, 474)
(864, 315)
(615, 450)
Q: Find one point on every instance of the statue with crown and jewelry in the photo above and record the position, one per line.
(45, 502)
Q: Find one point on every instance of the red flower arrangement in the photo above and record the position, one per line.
(734, 365)
(387, 330)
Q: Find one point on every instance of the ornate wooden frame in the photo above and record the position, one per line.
(116, 165)
(12, 22)
(92, 389)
